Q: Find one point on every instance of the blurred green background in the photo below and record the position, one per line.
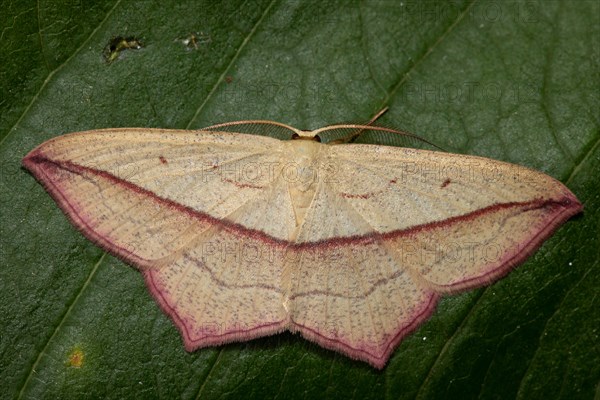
(517, 81)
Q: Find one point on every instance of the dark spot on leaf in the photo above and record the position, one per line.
(118, 44)
(194, 40)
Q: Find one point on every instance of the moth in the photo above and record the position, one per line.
(240, 235)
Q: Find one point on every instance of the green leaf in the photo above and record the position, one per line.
(516, 81)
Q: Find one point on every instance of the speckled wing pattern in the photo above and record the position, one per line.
(240, 236)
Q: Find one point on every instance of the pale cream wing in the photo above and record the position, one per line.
(457, 220)
(141, 194)
(138, 190)
(226, 284)
(390, 229)
(356, 300)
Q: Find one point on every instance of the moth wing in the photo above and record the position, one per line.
(391, 229)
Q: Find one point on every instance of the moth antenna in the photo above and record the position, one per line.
(252, 122)
(352, 137)
(379, 114)
(361, 128)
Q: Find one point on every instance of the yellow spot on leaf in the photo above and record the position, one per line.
(76, 358)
